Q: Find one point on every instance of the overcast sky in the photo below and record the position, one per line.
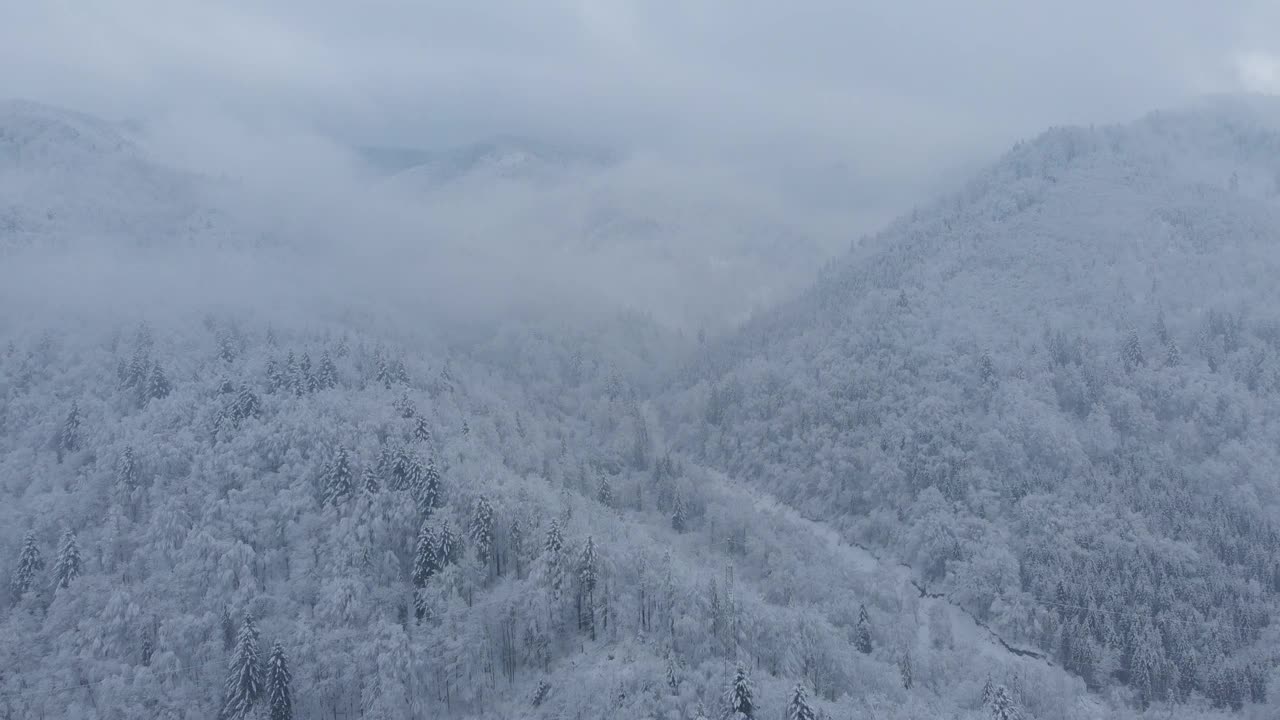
(900, 89)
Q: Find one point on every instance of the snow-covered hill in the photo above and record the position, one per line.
(1054, 393)
(329, 457)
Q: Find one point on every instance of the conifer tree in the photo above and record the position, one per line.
(327, 372)
(30, 563)
(1002, 706)
(587, 576)
(369, 480)
(279, 694)
(481, 529)
(740, 703)
(158, 385)
(228, 630)
(306, 380)
(243, 688)
(339, 481)
(798, 708)
(426, 563)
(127, 472)
(604, 491)
(679, 522)
(516, 536)
(426, 556)
(553, 556)
(69, 435)
(1131, 353)
(448, 548)
(67, 567)
(428, 494)
(862, 637)
(421, 432)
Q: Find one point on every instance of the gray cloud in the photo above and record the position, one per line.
(890, 96)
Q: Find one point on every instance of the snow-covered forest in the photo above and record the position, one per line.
(1013, 456)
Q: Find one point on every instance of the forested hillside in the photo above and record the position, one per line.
(1013, 457)
(1056, 395)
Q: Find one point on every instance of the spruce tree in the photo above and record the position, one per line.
(588, 573)
(428, 494)
(228, 630)
(553, 556)
(369, 480)
(158, 383)
(67, 568)
(862, 637)
(30, 563)
(426, 556)
(798, 708)
(604, 491)
(327, 373)
(740, 703)
(243, 688)
(481, 529)
(1131, 352)
(339, 481)
(1002, 706)
(421, 432)
(69, 435)
(448, 548)
(279, 696)
(679, 522)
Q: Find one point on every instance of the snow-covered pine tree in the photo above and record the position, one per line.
(448, 547)
(67, 568)
(306, 379)
(604, 491)
(588, 574)
(428, 494)
(1131, 352)
(30, 563)
(158, 385)
(290, 373)
(481, 529)
(862, 637)
(426, 556)
(679, 521)
(327, 372)
(369, 479)
(739, 700)
(553, 557)
(382, 375)
(69, 434)
(798, 707)
(405, 407)
(421, 430)
(1002, 706)
(275, 377)
(243, 688)
(406, 470)
(339, 481)
(673, 674)
(228, 630)
(516, 536)
(127, 472)
(279, 694)
(904, 669)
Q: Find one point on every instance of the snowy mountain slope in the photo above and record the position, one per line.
(70, 179)
(1055, 394)
(492, 523)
